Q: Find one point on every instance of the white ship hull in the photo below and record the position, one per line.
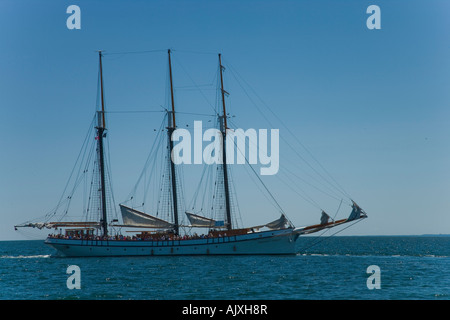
(279, 242)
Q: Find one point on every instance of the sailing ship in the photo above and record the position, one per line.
(163, 237)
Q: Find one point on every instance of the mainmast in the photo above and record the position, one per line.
(223, 129)
(170, 129)
(100, 132)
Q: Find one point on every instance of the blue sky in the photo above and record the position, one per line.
(372, 105)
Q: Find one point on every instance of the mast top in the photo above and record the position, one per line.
(171, 91)
(100, 55)
(223, 94)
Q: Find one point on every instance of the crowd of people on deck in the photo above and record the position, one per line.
(140, 237)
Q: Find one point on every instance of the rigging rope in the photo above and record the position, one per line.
(195, 52)
(136, 111)
(104, 53)
(81, 153)
(320, 238)
(336, 185)
(294, 185)
(153, 152)
(195, 84)
(259, 178)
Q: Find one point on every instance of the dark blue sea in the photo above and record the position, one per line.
(334, 268)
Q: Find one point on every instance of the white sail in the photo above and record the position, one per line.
(324, 218)
(135, 218)
(199, 221)
(280, 223)
(356, 213)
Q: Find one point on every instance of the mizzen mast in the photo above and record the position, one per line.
(223, 129)
(170, 129)
(101, 128)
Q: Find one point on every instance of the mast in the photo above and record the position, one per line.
(170, 129)
(223, 129)
(100, 131)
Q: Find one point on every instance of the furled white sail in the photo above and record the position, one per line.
(39, 225)
(53, 225)
(135, 218)
(199, 221)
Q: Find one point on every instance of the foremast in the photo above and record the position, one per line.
(101, 128)
(223, 129)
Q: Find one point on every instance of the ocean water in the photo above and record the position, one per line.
(410, 268)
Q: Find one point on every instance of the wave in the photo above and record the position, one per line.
(38, 256)
(371, 255)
